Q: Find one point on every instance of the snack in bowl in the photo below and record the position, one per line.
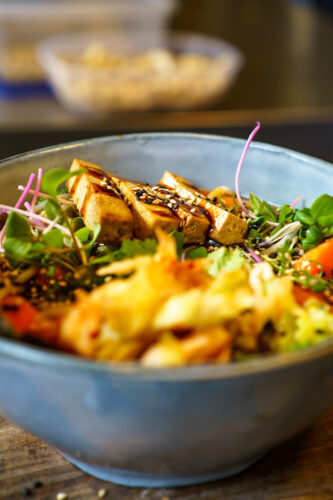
(142, 425)
(103, 74)
(166, 274)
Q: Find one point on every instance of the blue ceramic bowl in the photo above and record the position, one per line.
(180, 426)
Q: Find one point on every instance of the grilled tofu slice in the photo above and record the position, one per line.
(98, 200)
(226, 228)
(148, 211)
(194, 223)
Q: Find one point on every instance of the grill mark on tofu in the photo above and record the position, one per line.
(73, 187)
(194, 223)
(93, 189)
(149, 212)
(226, 227)
(97, 200)
(174, 203)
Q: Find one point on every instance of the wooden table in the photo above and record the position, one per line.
(300, 469)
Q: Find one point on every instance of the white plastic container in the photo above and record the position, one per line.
(103, 89)
(23, 23)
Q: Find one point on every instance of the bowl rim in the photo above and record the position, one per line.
(16, 349)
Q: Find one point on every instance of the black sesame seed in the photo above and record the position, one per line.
(176, 205)
(149, 201)
(27, 492)
(37, 484)
(138, 194)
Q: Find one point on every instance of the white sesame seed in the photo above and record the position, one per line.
(193, 210)
(169, 205)
(102, 493)
(61, 496)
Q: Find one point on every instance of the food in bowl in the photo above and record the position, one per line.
(165, 274)
(140, 426)
(102, 75)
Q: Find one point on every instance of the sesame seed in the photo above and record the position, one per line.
(168, 196)
(61, 496)
(102, 493)
(169, 205)
(193, 210)
(37, 484)
(139, 193)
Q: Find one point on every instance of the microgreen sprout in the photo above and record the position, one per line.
(239, 168)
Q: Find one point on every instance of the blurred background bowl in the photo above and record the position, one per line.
(181, 426)
(160, 84)
(24, 23)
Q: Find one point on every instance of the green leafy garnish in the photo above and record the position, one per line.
(262, 208)
(180, 239)
(52, 209)
(197, 253)
(83, 234)
(18, 227)
(19, 237)
(317, 221)
(55, 177)
(128, 250)
(322, 210)
(53, 238)
(132, 248)
(225, 258)
(286, 215)
(316, 283)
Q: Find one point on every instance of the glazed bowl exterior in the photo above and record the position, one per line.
(168, 427)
